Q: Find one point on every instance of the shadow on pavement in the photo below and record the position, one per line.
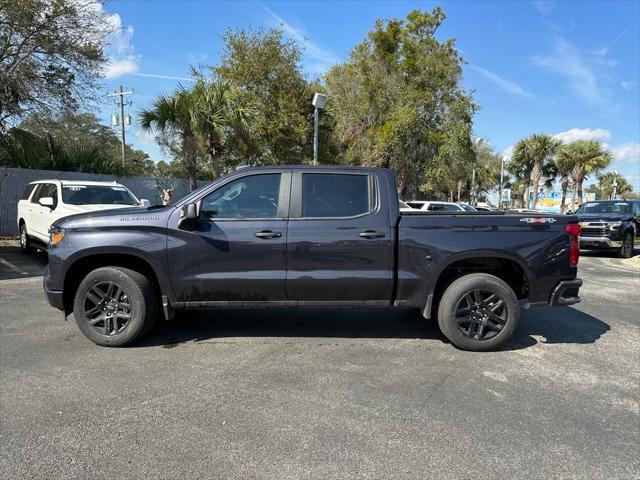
(555, 325)
(15, 264)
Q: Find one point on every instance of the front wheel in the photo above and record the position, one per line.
(478, 312)
(25, 246)
(115, 306)
(626, 250)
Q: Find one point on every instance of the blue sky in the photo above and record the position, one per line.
(566, 68)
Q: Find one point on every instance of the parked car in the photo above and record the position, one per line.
(308, 236)
(404, 207)
(610, 225)
(431, 206)
(482, 208)
(45, 201)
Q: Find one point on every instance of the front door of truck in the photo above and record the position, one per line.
(235, 250)
(340, 241)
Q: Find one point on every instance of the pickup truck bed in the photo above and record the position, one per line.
(310, 236)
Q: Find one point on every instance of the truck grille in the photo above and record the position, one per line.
(594, 232)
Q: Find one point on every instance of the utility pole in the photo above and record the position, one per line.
(121, 120)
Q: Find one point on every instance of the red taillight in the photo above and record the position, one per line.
(573, 229)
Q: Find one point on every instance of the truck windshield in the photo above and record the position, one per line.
(604, 207)
(97, 195)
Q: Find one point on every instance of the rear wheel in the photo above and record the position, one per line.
(478, 312)
(626, 250)
(25, 246)
(115, 306)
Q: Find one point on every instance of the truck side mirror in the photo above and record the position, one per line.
(46, 202)
(145, 202)
(188, 214)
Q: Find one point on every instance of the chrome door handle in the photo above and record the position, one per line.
(371, 234)
(267, 234)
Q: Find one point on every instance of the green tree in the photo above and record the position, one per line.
(221, 120)
(172, 119)
(51, 55)
(265, 69)
(588, 157)
(398, 102)
(70, 142)
(564, 167)
(605, 185)
(530, 157)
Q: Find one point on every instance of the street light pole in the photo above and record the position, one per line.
(501, 182)
(315, 136)
(319, 101)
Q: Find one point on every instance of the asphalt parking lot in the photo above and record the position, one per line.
(317, 394)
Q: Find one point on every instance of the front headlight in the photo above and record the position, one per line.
(613, 225)
(56, 235)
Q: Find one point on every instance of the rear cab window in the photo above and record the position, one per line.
(329, 195)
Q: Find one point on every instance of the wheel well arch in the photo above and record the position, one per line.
(504, 268)
(81, 267)
(21, 222)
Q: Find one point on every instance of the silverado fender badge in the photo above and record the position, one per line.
(538, 220)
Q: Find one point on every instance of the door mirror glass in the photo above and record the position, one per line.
(188, 214)
(46, 201)
(145, 202)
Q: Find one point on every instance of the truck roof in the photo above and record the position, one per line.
(75, 182)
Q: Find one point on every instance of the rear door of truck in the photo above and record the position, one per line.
(339, 239)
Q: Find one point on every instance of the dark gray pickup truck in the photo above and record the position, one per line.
(309, 236)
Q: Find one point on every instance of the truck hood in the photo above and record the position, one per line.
(604, 217)
(112, 216)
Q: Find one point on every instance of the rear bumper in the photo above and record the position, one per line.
(599, 242)
(566, 292)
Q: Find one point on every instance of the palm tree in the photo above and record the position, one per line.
(605, 184)
(530, 157)
(172, 119)
(587, 157)
(564, 167)
(219, 118)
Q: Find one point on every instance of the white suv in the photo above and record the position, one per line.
(45, 201)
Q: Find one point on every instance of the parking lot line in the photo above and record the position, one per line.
(13, 267)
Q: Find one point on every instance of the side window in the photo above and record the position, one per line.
(636, 208)
(46, 190)
(36, 195)
(27, 192)
(255, 196)
(334, 195)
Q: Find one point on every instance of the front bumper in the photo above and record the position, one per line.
(54, 297)
(566, 292)
(599, 242)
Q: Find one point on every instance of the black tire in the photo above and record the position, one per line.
(626, 250)
(476, 328)
(135, 293)
(25, 245)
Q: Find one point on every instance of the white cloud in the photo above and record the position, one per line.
(627, 153)
(583, 134)
(628, 85)
(567, 61)
(163, 77)
(318, 59)
(122, 59)
(504, 84)
(545, 7)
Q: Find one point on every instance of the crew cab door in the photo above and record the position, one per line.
(235, 250)
(339, 240)
(41, 217)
